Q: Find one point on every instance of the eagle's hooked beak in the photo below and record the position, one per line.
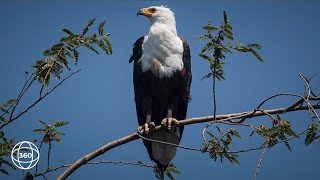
(148, 12)
(140, 12)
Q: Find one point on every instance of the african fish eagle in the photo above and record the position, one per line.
(162, 79)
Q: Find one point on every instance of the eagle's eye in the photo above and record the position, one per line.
(152, 10)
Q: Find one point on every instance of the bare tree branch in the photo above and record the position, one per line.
(37, 101)
(260, 161)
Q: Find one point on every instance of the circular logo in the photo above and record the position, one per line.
(25, 155)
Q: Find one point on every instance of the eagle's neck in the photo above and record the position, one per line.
(168, 23)
(162, 49)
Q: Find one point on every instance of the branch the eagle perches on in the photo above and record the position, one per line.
(226, 118)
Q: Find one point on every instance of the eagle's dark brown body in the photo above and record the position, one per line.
(154, 95)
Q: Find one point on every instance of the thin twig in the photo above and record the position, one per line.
(38, 100)
(44, 176)
(171, 144)
(39, 152)
(19, 96)
(98, 162)
(260, 161)
(49, 151)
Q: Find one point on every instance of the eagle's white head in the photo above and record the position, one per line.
(162, 48)
(159, 14)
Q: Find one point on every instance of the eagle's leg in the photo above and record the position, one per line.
(148, 126)
(169, 122)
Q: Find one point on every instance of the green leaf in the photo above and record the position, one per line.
(311, 134)
(225, 18)
(3, 119)
(207, 47)
(43, 123)
(219, 130)
(4, 171)
(228, 26)
(68, 32)
(229, 32)
(101, 26)
(207, 76)
(278, 117)
(256, 55)
(92, 49)
(39, 130)
(85, 30)
(60, 133)
(205, 57)
(211, 28)
(288, 145)
(232, 158)
(57, 46)
(60, 123)
(254, 45)
(8, 103)
(290, 132)
(55, 137)
(108, 45)
(170, 176)
(76, 55)
(210, 134)
(8, 164)
(235, 133)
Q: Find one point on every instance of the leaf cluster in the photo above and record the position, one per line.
(312, 133)
(170, 169)
(4, 109)
(280, 131)
(50, 132)
(220, 42)
(5, 152)
(219, 147)
(57, 57)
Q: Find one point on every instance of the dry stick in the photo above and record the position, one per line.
(260, 161)
(38, 100)
(134, 136)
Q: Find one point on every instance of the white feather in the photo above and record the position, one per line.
(162, 48)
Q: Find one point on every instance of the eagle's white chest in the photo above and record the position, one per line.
(162, 52)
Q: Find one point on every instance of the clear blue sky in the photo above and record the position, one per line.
(98, 102)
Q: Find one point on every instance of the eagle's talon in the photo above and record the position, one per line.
(147, 128)
(168, 123)
(140, 130)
